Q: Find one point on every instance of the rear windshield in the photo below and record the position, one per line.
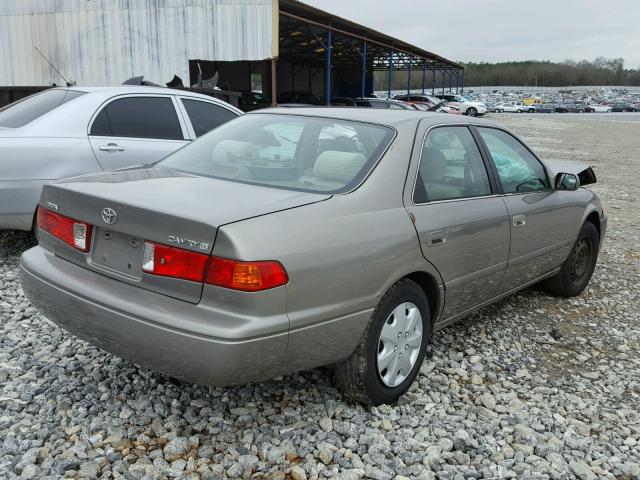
(19, 113)
(309, 154)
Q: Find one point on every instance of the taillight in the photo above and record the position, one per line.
(72, 232)
(245, 276)
(174, 262)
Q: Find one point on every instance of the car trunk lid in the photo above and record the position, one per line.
(128, 208)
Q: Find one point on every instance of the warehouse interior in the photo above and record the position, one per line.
(329, 56)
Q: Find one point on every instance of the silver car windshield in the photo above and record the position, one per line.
(309, 154)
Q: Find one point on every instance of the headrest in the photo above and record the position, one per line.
(230, 150)
(338, 166)
(433, 166)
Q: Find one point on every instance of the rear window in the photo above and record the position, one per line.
(25, 111)
(308, 154)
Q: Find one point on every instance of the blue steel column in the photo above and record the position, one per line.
(409, 79)
(390, 70)
(462, 83)
(327, 87)
(364, 67)
(444, 79)
(450, 79)
(457, 81)
(424, 74)
(433, 80)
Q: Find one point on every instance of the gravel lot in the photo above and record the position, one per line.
(533, 387)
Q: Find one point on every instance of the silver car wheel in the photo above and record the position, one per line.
(399, 344)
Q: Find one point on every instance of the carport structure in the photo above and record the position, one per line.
(334, 57)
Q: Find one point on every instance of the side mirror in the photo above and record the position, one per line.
(567, 181)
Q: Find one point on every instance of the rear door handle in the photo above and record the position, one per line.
(436, 238)
(519, 221)
(111, 147)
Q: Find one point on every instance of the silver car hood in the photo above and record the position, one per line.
(584, 172)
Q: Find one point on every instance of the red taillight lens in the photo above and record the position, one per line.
(174, 262)
(73, 232)
(245, 276)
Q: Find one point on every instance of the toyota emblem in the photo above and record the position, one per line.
(109, 216)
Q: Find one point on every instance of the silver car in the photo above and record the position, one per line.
(63, 132)
(293, 238)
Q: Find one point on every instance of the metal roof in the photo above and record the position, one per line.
(379, 44)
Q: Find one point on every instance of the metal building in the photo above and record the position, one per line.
(266, 45)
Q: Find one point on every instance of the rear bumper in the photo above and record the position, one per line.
(18, 201)
(150, 329)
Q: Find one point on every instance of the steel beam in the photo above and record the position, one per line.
(390, 71)
(364, 67)
(327, 86)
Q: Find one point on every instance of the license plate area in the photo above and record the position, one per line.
(117, 252)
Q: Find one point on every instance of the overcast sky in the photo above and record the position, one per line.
(501, 30)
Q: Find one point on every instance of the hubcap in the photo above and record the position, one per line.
(580, 261)
(399, 344)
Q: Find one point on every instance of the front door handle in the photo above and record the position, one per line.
(519, 221)
(111, 147)
(436, 238)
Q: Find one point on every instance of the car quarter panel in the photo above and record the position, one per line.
(341, 255)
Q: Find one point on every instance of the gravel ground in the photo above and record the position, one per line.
(533, 387)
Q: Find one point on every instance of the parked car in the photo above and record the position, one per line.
(515, 107)
(623, 107)
(597, 108)
(419, 98)
(299, 96)
(63, 132)
(383, 103)
(279, 242)
(545, 108)
(464, 104)
(343, 102)
(250, 101)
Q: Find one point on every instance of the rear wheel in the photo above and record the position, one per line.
(577, 269)
(389, 355)
(472, 112)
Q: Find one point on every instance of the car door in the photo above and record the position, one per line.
(543, 221)
(461, 221)
(136, 129)
(204, 116)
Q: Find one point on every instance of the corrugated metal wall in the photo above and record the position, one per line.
(104, 42)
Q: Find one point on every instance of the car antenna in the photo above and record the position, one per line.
(52, 66)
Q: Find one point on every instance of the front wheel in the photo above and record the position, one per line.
(472, 112)
(388, 357)
(577, 269)
(519, 111)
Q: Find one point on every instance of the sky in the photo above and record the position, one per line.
(503, 30)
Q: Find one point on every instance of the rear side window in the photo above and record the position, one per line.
(206, 116)
(138, 117)
(25, 111)
(450, 167)
(518, 169)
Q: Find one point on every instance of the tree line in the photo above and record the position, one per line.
(601, 71)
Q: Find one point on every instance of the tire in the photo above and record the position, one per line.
(519, 111)
(472, 112)
(577, 269)
(358, 376)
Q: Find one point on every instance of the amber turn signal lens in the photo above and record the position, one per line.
(245, 276)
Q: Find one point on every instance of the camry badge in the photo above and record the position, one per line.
(109, 216)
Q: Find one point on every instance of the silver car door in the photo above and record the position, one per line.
(462, 223)
(136, 129)
(543, 221)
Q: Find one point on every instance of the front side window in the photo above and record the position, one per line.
(450, 167)
(518, 169)
(286, 151)
(18, 114)
(138, 117)
(206, 116)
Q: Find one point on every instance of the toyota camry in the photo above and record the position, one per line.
(288, 239)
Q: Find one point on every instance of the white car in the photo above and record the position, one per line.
(64, 132)
(464, 104)
(598, 108)
(515, 107)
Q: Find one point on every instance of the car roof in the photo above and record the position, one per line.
(133, 89)
(392, 118)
